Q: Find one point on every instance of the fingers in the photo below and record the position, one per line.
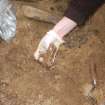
(36, 55)
(48, 58)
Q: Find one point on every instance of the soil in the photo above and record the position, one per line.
(23, 81)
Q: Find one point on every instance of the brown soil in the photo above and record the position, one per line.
(25, 82)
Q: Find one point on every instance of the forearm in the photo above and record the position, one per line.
(64, 26)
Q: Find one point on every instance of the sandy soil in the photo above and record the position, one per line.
(25, 82)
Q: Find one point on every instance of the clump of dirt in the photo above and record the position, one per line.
(23, 81)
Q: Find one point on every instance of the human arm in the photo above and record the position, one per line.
(76, 14)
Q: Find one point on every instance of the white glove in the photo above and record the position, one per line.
(51, 38)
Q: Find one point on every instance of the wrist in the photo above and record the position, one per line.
(55, 36)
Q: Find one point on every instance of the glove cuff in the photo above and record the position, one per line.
(54, 34)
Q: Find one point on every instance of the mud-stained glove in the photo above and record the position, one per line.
(48, 48)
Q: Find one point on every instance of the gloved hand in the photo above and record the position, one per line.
(49, 44)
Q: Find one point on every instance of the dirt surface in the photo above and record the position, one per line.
(23, 81)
